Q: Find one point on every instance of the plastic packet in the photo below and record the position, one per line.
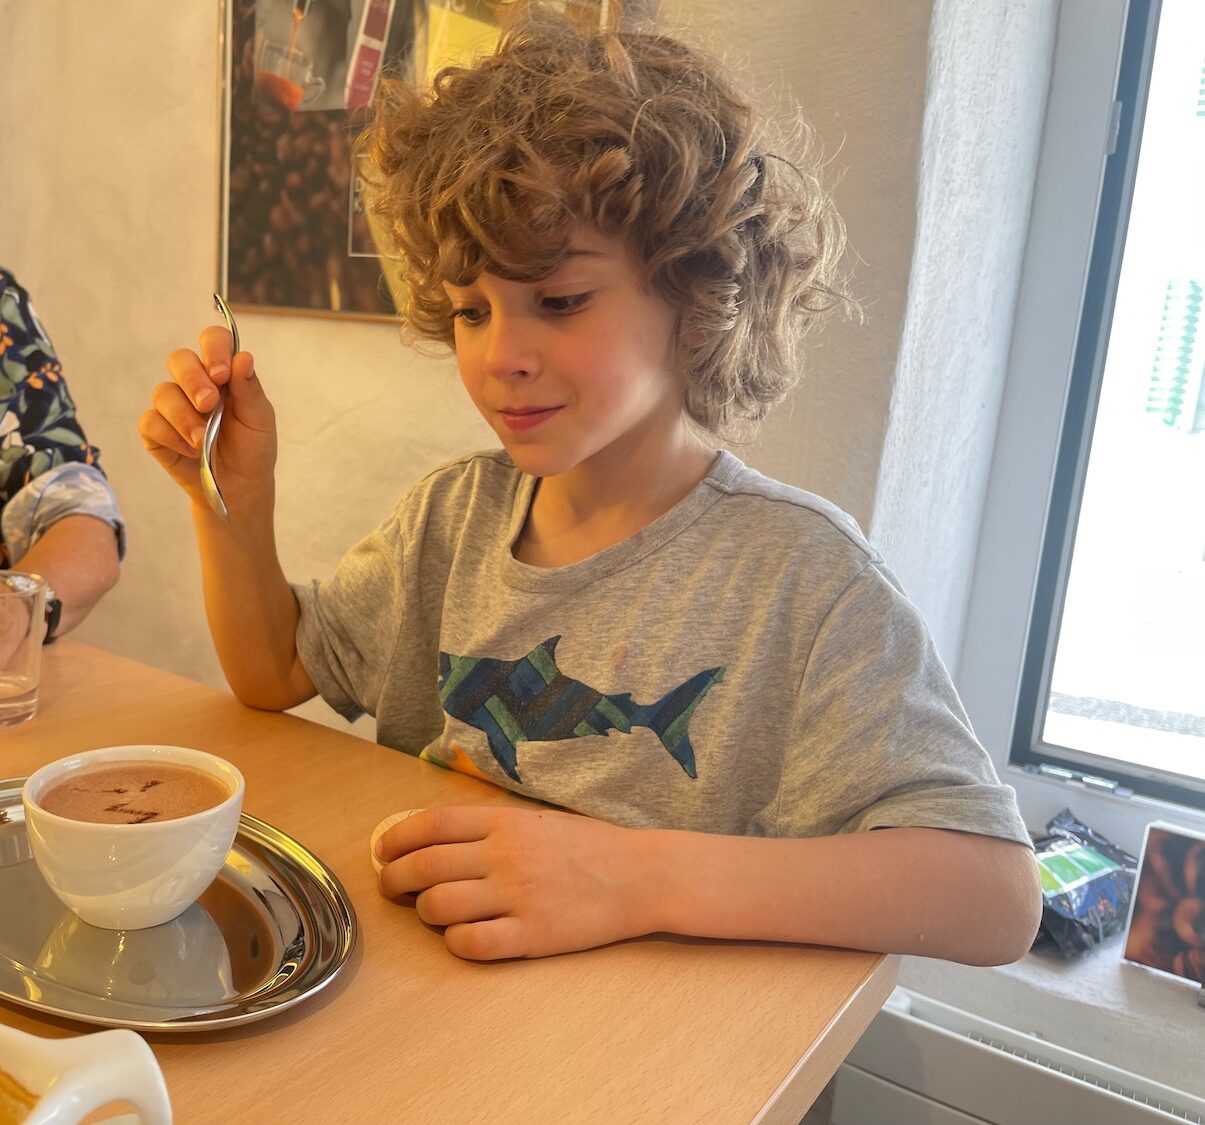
(1087, 884)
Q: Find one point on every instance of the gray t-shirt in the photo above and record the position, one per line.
(744, 665)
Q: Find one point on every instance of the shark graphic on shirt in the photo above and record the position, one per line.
(532, 700)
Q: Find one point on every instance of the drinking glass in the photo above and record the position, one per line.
(22, 625)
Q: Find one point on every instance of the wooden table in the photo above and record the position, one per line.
(655, 1030)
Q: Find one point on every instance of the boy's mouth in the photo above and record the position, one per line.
(527, 417)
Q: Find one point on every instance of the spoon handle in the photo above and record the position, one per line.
(209, 484)
(228, 317)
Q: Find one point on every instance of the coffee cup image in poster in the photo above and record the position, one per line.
(301, 51)
(1167, 916)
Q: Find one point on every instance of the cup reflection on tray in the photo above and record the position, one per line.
(220, 948)
(184, 962)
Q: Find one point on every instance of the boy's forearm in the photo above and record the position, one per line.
(251, 610)
(953, 895)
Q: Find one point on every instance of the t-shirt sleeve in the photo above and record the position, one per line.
(350, 622)
(881, 737)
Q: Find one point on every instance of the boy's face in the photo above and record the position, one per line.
(576, 368)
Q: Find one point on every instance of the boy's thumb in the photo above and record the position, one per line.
(246, 389)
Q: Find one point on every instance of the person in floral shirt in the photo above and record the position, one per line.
(58, 515)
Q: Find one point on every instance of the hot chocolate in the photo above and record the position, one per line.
(134, 792)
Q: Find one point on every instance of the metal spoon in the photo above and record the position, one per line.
(209, 485)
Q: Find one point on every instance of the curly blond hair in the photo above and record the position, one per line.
(639, 136)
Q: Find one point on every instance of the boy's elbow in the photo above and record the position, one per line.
(253, 693)
(267, 697)
(258, 700)
(1018, 909)
(271, 693)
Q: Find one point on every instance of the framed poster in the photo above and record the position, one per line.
(1167, 916)
(298, 81)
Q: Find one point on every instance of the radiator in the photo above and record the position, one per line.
(922, 1062)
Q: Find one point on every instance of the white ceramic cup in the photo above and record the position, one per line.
(67, 1079)
(130, 876)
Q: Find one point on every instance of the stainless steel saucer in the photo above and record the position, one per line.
(274, 928)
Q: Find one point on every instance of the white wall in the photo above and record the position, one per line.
(857, 69)
(110, 219)
(989, 65)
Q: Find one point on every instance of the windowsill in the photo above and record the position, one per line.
(1102, 1007)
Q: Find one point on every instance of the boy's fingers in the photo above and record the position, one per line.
(215, 353)
(158, 435)
(447, 825)
(171, 403)
(490, 940)
(234, 371)
(442, 863)
(469, 900)
(244, 383)
(243, 366)
(193, 377)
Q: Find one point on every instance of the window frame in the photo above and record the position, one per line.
(1046, 416)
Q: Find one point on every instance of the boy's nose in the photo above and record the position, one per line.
(510, 349)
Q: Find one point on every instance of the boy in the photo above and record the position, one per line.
(609, 615)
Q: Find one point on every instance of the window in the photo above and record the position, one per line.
(1115, 680)
(1084, 660)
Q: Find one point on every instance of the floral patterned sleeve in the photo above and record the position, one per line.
(47, 467)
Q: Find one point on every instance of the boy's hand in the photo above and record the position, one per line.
(518, 883)
(245, 453)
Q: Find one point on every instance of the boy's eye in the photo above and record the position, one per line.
(469, 314)
(569, 303)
